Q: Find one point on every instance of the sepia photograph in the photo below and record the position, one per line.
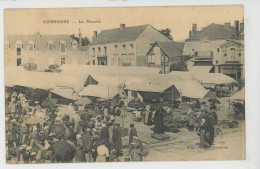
(124, 84)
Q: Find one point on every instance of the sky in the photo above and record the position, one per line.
(178, 19)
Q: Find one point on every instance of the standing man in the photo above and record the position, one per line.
(110, 133)
(87, 145)
(117, 138)
(213, 122)
(132, 133)
(104, 135)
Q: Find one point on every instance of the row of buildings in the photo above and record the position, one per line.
(219, 47)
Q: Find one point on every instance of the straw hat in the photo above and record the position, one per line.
(28, 148)
(98, 117)
(135, 137)
(78, 136)
(22, 146)
(33, 153)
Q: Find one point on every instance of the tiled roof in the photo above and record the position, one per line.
(214, 32)
(40, 42)
(171, 49)
(119, 35)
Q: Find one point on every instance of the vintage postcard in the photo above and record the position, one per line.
(124, 84)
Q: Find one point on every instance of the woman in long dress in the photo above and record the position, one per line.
(103, 153)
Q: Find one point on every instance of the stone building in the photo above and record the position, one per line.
(208, 48)
(123, 46)
(43, 50)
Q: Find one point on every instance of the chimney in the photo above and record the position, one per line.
(236, 24)
(80, 38)
(94, 36)
(242, 27)
(227, 25)
(122, 26)
(194, 29)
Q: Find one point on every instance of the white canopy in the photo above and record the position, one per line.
(214, 78)
(65, 92)
(191, 89)
(44, 80)
(102, 91)
(157, 88)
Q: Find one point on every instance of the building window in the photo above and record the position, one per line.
(75, 45)
(63, 47)
(132, 46)
(19, 47)
(216, 61)
(99, 49)
(232, 51)
(31, 46)
(93, 62)
(166, 60)
(93, 51)
(115, 46)
(19, 62)
(105, 50)
(217, 49)
(50, 45)
(123, 51)
(19, 51)
(239, 54)
(63, 61)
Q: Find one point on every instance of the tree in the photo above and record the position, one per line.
(180, 66)
(166, 32)
(85, 40)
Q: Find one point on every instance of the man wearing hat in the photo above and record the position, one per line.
(135, 150)
(132, 133)
(33, 157)
(117, 141)
(110, 132)
(104, 135)
(87, 145)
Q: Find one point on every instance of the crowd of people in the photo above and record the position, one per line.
(46, 135)
(203, 120)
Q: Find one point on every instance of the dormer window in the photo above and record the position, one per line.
(75, 45)
(63, 46)
(30, 45)
(105, 50)
(93, 52)
(123, 49)
(18, 46)
(50, 45)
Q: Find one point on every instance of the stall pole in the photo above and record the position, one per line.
(172, 96)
